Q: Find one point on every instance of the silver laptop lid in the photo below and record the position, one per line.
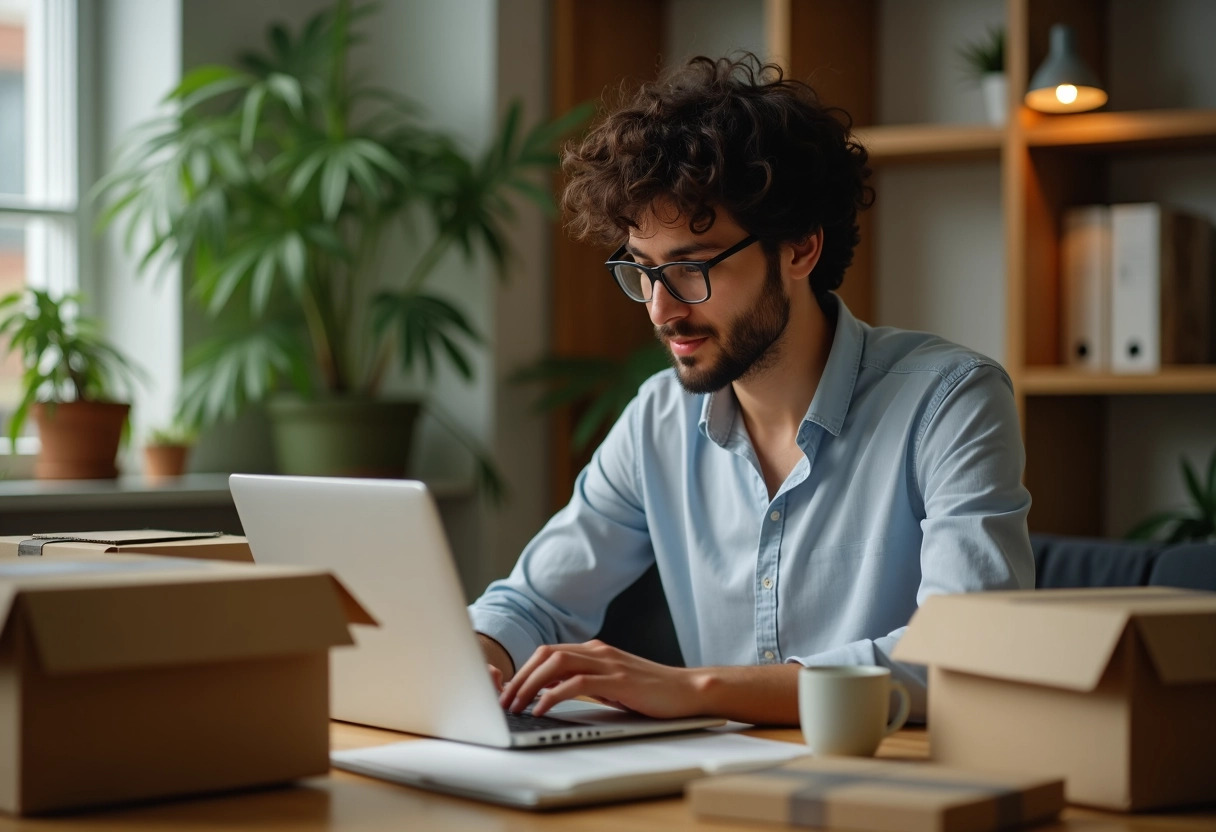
(422, 670)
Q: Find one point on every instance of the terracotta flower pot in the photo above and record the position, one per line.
(79, 439)
(165, 461)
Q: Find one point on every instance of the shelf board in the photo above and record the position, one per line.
(1124, 130)
(904, 143)
(1062, 381)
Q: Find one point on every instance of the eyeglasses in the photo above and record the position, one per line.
(686, 281)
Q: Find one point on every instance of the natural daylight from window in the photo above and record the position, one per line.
(39, 222)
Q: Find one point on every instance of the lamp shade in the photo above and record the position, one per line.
(1063, 83)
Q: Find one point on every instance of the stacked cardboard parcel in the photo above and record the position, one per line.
(1115, 689)
(128, 677)
(1101, 697)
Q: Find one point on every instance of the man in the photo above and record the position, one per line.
(803, 480)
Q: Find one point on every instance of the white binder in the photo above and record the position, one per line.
(1135, 231)
(1085, 275)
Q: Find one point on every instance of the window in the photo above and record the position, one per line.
(39, 202)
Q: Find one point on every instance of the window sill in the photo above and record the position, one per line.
(136, 491)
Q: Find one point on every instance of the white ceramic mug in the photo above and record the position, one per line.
(844, 709)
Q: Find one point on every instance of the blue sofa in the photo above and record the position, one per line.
(638, 620)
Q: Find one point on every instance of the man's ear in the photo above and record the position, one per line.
(801, 257)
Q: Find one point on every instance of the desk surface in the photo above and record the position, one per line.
(351, 802)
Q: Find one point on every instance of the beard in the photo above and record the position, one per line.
(750, 345)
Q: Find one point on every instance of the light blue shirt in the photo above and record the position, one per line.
(910, 486)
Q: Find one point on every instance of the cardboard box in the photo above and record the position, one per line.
(1113, 688)
(205, 545)
(126, 678)
(879, 796)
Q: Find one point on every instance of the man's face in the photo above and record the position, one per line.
(737, 331)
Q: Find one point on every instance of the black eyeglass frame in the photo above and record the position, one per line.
(655, 273)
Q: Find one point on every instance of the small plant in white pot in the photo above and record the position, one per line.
(984, 62)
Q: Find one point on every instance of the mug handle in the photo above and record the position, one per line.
(905, 705)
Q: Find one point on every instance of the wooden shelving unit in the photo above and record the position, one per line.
(1046, 164)
(904, 144)
(1147, 129)
(1061, 381)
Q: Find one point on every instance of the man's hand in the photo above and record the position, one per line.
(502, 668)
(612, 676)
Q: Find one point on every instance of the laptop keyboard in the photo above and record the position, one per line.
(526, 722)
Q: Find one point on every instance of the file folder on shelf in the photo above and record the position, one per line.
(1162, 295)
(1086, 288)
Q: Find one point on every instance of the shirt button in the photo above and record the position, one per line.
(775, 516)
(768, 654)
(768, 583)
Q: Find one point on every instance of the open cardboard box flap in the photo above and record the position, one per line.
(128, 611)
(1063, 638)
(141, 542)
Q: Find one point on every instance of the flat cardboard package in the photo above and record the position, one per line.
(126, 677)
(205, 545)
(1115, 689)
(878, 796)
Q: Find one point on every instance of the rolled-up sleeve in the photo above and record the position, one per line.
(584, 557)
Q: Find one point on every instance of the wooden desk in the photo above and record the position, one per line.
(350, 802)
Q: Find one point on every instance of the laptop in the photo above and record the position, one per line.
(422, 670)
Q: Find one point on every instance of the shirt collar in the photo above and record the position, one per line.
(830, 405)
(834, 394)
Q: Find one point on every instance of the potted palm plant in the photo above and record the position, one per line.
(71, 382)
(276, 183)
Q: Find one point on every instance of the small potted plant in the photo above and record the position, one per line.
(72, 384)
(984, 62)
(166, 451)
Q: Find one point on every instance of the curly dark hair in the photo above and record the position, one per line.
(729, 134)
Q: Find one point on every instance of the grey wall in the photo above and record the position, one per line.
(714, 28)
(137, 55)
(1160, 56)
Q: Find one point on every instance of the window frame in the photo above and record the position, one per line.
(57, 161)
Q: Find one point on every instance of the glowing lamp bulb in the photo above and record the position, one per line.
(1066, 93)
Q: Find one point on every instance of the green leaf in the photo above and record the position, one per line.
(231, 273)
(1148, 528)
(304, 173)
(424, 324)
(539, 146)
(263, 281)
(506, 137)
(214, 90)
(237, 367)
(1198, 492)
(294, 258)
(202, 77)
(288, 90)
(538, 196)
(334, 178)
(380, 157)
(250, 112)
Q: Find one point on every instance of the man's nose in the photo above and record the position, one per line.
(663, 307)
